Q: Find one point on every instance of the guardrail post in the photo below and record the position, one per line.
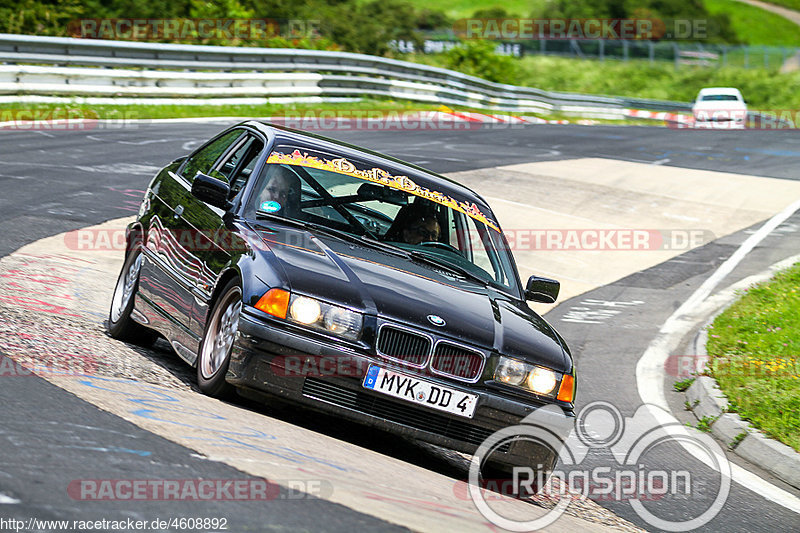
(602, 49)
(624, 50)
(651, 52)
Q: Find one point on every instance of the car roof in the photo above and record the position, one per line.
(418, 174)
(720, 90)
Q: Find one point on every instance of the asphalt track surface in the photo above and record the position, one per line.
(54, 182)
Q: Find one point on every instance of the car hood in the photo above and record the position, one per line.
(396, 289)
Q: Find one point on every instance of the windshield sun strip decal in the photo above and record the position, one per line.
(378, 175)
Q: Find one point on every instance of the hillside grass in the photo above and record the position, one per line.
(458, 9)
(756, 26)
(791, 4)
(753, 25)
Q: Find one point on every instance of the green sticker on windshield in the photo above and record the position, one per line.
(270, 207)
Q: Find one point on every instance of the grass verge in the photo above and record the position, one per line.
(753, 348)
(146, 111)
(372, 107)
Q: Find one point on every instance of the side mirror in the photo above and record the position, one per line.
(211, 191)
(543, 290)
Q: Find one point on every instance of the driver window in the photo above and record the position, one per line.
(203, 160)
(238, 166)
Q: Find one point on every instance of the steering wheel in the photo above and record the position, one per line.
(442, 246)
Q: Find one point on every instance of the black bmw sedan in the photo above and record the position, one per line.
(280, 263)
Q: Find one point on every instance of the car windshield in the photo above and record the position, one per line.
(372, 205)
(720, 98)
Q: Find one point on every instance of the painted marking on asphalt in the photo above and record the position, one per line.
(599, 312)
(8, 500)
(111, 449)
(121, 168)
(160, 405)
(551, 211)
(189, 146)
(650, 368)
(766, 151)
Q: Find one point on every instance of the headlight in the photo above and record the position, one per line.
(541, 380)
(325, 317)
(534, 378)
(305, 310)
(511, 371)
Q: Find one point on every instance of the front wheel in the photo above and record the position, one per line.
(120, 324)
(215, 350)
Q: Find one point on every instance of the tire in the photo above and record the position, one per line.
(120, 324)
(502, 475)
(215, 348)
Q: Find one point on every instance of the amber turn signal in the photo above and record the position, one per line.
(275, 302)
(566, 392)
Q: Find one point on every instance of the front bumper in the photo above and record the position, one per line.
(259, 363)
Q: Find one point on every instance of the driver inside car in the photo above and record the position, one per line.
(281, 193)
(415, 223)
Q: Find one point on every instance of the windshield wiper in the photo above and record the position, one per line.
(447, 265)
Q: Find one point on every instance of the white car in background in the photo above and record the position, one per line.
(719, 107)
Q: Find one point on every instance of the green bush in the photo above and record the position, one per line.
(477, 58)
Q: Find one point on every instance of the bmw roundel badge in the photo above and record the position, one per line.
(436, 320)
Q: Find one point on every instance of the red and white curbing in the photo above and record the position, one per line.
(500, 119)
(660, 115)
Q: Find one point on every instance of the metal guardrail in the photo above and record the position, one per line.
(119, 68)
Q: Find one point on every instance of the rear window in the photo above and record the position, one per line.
(720, 98)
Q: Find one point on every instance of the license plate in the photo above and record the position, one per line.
(420, 391)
